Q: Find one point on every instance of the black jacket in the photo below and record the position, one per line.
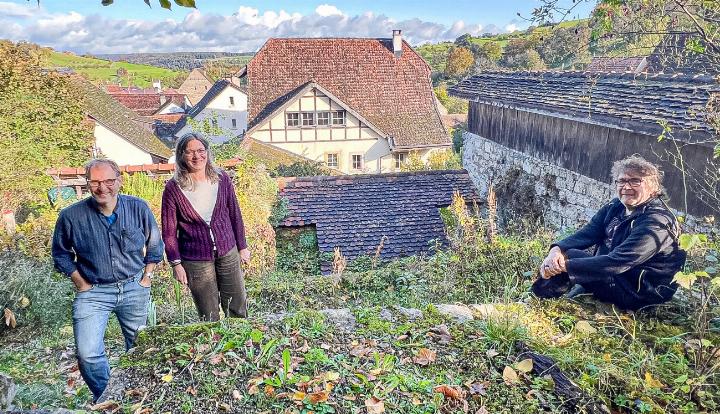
(639, 251)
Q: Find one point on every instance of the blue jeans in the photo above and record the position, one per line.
(91, 311)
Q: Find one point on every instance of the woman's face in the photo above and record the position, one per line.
(633, 190)
(195, 155)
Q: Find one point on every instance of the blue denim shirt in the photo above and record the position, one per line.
(105, 253)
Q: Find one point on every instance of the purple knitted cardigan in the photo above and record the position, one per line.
(187, 235)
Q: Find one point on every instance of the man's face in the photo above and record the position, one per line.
(195, 155)
(104, 184)
(633, 190)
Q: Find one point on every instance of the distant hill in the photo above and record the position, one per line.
(436, 53)
(184, 61)
(100, 70)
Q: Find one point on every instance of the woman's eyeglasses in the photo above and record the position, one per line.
(634, 182)
(198, 152)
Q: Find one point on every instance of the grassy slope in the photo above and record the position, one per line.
(104, 70)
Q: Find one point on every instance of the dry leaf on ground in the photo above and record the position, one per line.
(449, 392)
(526, 365)
(510, 376)
(425, 357)
(374, 406)
(10, 318)
(318, 397)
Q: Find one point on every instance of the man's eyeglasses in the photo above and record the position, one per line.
(634, 182)
(108, 183)
(200, 152)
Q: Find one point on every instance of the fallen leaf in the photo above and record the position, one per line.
(10, 318)
(482, 410)
(332, 376)
(225, 407)
(349, 397)
(585, 327)
(374, 405)
(425, 357)
(526, 365)
(236, 395)
(510, 376)
(478, 388)
(448, 392)
(253, 389)
(216, 359)
(298, 396)
(167, 377)
(491, 353)
(108, 405)
(24, 302)
(318, 397)
(652, 382)
(191, 390)
(150, 351)
(606, 357)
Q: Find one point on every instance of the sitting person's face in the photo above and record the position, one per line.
(633, 190)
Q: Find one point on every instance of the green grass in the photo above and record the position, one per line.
(98, 70)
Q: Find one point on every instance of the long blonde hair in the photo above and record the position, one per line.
(182, 170)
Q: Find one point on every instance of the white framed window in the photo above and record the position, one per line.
(292, 119)
(234, 123)
(323, 118)
(232, 101)
(308, 118)
(356, 161)
(338, 117)
(400, 158)
(331, 160)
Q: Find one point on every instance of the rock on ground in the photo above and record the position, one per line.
(7, 391)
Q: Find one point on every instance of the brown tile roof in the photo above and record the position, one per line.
(394, 94)
(356, 212)
(145, 102)
(618, 64)
(114, 116)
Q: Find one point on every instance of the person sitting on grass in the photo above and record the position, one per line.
(636, 243)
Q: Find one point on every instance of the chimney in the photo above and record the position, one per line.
(397, 43)
(157, 85)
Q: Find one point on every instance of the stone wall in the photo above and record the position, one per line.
(562, 198)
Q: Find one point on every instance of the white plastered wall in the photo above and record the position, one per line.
(221, 109)
(118, 149)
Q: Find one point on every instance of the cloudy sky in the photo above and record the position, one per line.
(85, 26)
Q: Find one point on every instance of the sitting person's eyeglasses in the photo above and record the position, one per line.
(108, 183)
(634, 182)
(198, 152)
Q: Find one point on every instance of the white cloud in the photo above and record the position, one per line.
(244, 31)
(511, 27)
(328, 10)
(19, 10)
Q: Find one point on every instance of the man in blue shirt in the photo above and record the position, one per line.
(108, 245)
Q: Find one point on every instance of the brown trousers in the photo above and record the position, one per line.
(218, 283)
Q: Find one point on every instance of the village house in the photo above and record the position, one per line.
(567, 128)
(357, 105)
(195, 86)
(149, 101)
(605, 64)
(224, 108)
(120, 134)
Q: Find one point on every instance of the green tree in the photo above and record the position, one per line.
(42, 125)
(565, 45)
(459, 62)
(492, 51)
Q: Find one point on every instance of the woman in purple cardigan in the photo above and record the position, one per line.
(203, 231)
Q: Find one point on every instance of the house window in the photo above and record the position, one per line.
(308, 118)
(323, 118)
(331, 160)
(293, 119)
(400, 158)
(234, 123)
(338, 117)
(214, 123)
(356, 161)
(232, 101)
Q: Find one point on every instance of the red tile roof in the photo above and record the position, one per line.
(395, 94)
(144, 102)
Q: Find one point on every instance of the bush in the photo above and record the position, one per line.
(34, 292)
